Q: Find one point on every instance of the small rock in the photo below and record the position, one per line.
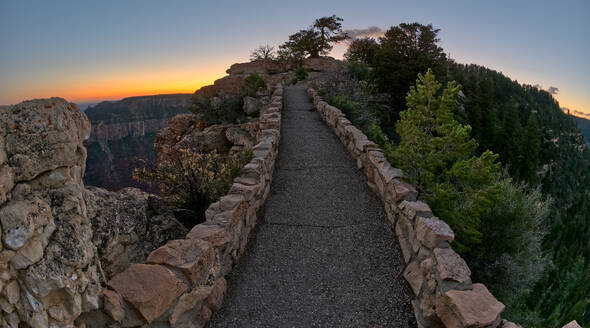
(451, 266)
(215, 234)
(191, 256)
(414, 276)
(432, 232)
(215, 299)
(187, 311)
(572, 324)
(31, 253)
(151, 289)
(18, 221)
(473, 308)
(416, 208)
(112, 305)
(12, 292)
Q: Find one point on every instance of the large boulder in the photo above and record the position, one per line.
(61, 242)
(125, 228)
(42, 135)
(150, 289)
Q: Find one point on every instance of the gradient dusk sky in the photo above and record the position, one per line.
(93, 50)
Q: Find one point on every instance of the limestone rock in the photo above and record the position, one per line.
(265, 66)
(6, 180)
(126, 228)
(215, 298)
(112, 305)
(215, 234)
(191, 256)
(239, 137)
(508, 324)
(572, 324)
(414, 276)
(12, 292)
(472, 308)
(403, 190)
(150, 289)
(19, 219)
(432, 232)
(415, 208)
(186, 313)
(42, 135)
(451, 266)
(323, 64)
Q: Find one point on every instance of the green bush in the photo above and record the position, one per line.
(252, 84)
(359, 71)
(511, 259)
(194, 180)
(301, 73)
(360, 117)
(224, 111)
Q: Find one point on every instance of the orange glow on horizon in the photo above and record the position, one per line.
(116, 91)
(99, 86)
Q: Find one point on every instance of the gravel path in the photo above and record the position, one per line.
(324, 254)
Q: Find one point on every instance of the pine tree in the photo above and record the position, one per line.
(532, 149)
(437, 154)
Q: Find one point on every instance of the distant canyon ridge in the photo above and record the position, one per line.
(122, 137)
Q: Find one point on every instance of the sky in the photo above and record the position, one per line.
(87, 51)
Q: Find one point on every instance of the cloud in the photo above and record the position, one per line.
(553, 90)
(371, 32)
(577, 112)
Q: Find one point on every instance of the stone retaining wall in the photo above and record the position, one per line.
(439, 278)
(182, 282)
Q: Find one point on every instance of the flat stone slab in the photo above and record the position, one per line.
(324, 254)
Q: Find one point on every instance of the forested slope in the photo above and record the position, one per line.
(539, 146)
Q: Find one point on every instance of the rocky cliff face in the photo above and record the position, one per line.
(122, 137)
(61, 242)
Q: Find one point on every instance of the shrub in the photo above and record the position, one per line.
(300, 73)
(224, 110)
(359, 71)
(360, 117)
(252, 84)
(511, 259)
(194, 180)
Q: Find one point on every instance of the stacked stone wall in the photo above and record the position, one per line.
(182, 283)
(444, 295)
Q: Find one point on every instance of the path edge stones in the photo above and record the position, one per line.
(444, 295)
(183, 282)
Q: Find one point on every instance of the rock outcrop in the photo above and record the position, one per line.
(122, 137)
(61, 242)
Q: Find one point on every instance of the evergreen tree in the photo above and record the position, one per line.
(437, 154)
(532, 147)
(316, 40)
(405, 51)
(362, 50)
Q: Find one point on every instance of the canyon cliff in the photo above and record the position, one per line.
(123, 134)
